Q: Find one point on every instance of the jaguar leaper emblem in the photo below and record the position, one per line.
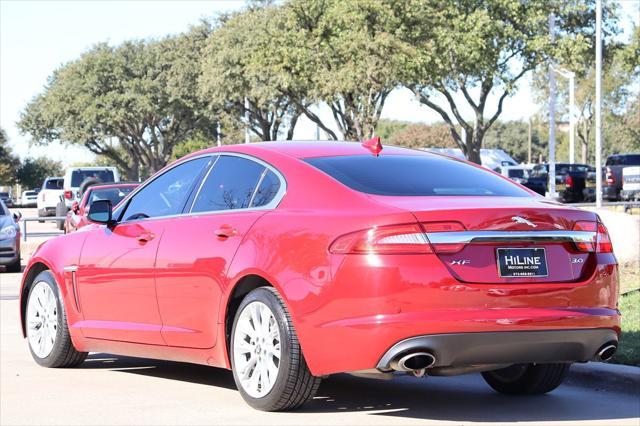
(518, 219)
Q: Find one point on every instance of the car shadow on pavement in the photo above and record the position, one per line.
(461, 398)
(184, 372)
(465, 399)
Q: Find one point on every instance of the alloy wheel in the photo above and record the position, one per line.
(256, 349)
(42, 319)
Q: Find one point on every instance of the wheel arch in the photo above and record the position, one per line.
(243, 286)
(29, 277)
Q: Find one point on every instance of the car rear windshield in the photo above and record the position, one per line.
(53, 184)
(624, 160)
(517, 173)
(78, 176)
(407, 175)
(115, 195)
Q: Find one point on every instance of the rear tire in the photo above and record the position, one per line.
(279, 379)
(46, 323)
(41, 213)
(527, 379)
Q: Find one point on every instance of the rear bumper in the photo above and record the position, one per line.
(506, 347)
(611, 192)
(375, 303)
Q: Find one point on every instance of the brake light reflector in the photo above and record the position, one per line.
(396, 239)
(569, 180)
(610, 177)
(601, 242)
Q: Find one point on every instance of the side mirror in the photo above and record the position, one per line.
(17, 216)
(75, 207)
(100, 212)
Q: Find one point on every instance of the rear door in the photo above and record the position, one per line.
(195, 253)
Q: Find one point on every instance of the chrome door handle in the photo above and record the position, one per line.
(146, 237)
(225, 231)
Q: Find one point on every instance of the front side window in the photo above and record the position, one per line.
(167, 194)
(229, 186)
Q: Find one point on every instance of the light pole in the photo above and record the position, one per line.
(572, 96)
(598, 101)
(551, 187)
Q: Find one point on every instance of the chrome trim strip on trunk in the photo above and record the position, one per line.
(464, 237)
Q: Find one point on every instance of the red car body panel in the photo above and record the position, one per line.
(161, 288)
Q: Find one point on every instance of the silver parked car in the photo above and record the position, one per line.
(9, 239)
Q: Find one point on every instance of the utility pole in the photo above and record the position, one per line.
(552, 119)
(572, 123)
(598, 103)
(218, 137)
(247, 136)
(529, 150)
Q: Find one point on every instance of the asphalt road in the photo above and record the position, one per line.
(109, 390)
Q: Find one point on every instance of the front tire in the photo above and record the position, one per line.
(47, 330)
(15, 266)
(527, 379)
(267, 362)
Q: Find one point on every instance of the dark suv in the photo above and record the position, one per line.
(574, 182)
(612, 183)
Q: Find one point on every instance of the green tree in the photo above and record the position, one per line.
(33, 171)
(8, 161)
(131, 103)
(234, 80)
(342, 53)
(619, 76)
(477, 49)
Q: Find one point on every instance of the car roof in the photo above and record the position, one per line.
(113, 185)
(310, 149)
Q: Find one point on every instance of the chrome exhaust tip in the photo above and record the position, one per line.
(413, 361)
(606, 352)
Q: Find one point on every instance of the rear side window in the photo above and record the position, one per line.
(269, 187)
(78, 176)
(229, 186)
(403, 175)
(630, 160)
(53, 184)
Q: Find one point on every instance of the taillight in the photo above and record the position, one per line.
(68, 195)
(569, 180)
(444, 227)
(610, 177)
(601, 242)
(396, 239)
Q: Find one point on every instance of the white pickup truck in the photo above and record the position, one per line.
(76, 180)
(49, 196)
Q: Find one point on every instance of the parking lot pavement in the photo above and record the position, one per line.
(110, 389)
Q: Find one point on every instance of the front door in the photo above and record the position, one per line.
(116, 277)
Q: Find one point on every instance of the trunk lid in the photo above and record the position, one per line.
(537, 229)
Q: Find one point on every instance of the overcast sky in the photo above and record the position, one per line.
(36, 37)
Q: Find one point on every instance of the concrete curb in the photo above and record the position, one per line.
(625, 378)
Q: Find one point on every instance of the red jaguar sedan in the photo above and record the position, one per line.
(290, 261)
